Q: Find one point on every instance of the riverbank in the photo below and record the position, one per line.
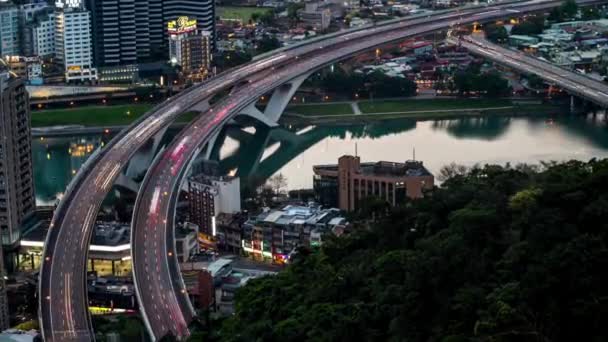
(92, 119)
(425, 109)
(90, 116)
(105, 119)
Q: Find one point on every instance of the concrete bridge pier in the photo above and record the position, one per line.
(572, 104)
(139, 163)
(278, 102)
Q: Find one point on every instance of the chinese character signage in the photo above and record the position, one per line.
(181, 25)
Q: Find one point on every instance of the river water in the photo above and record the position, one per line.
(293, 151)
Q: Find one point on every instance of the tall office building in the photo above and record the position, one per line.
(27, 15)
(73, 46)
(43, 34)
(156, 27)
(16, 177)
(203, 11)
(130, 31)
(10, 39)
(120, 31)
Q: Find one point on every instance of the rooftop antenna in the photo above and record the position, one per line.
(356, 150)
(414, 153)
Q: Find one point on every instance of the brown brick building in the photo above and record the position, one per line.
(350, 181)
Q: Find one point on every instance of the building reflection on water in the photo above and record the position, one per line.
(255, 154)
(56, 161)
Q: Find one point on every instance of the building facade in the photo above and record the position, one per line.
(188, 47)
(316, 16)
(28, 13)
(203, 11)
(28, 68)
(9, 30)
(210, 196)
(276, 234)
(43, 34)
(73, 45)
(16, 177)
(117, 39)
(351, 181)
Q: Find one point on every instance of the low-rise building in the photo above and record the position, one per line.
(230, 231)
(521, 40)
(29, 68)
(208, 197)
(186, 241)
(276, 234)
(349, 182)
(316, 16)
(119, 74)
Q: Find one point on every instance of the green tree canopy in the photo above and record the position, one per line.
(496, 33)
(498, 253)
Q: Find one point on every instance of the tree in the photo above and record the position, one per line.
(450, 171)
(255, 17)
(277, 183)
(591, 13)
(530, 26)
(535, 82)
(492, 84)
(569, 9)
(268, 18)
(231, 59)
(293, 12)
(495, 254)
(386, 86)
(267, 43)
(496, 33)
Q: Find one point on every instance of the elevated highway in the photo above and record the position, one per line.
(573, 82)
(153, 247)
(62, 286)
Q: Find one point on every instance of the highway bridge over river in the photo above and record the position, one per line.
(161, 293)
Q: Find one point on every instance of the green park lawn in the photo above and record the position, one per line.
(322, 109)
(93, 116)
(388, 106)
(240, 13)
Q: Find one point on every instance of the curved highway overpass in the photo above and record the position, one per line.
(62, 284)
(573, 82)
(153, 247)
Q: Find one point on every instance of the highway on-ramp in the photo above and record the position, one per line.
(572, 81)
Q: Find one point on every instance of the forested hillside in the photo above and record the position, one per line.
(495, 254)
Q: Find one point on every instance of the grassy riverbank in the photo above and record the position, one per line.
(393, 106)
(416, 109)
(241, 13)
(321, 109)
(95, 116)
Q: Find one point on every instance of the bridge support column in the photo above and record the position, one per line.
(211, 145)
(139, 163)
(278, 102)
(572, 104)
